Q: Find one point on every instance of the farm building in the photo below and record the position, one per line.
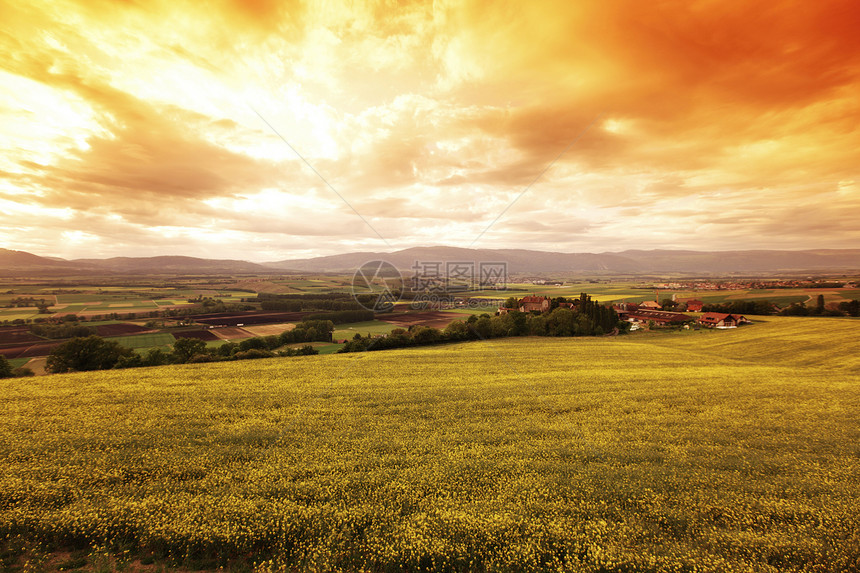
(694, 305)
(660, 317)
(650, 305)
(722, 320)
(534, 303)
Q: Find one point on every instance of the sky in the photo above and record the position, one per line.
(264, 130)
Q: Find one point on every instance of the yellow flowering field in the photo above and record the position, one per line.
(693, 451)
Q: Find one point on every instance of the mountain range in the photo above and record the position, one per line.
(631, 261)
(20, 263)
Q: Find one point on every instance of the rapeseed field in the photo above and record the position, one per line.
(693, 451)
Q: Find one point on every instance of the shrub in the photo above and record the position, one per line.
(83, 354)
(5, 367)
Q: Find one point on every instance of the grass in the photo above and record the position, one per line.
(18, 362)
(329, 348)
(17, 313)
(699, 450)
(157, 339)
(350, 329)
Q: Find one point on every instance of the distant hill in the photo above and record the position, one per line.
(636, 261)
(518, 260)
(19, 263)
(174, 265)
(16, 262)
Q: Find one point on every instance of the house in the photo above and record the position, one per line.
(660, 317)
(722, 320)
(694, 305)
(534, 303)
(650, 305)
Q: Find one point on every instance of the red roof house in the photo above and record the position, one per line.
(721, 320)
(660, 317)
(530, 303)
(694, 305)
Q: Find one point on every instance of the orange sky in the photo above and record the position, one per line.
(128, 128)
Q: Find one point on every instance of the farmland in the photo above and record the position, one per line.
(696, 450)
(628, 292)
(367, 328)
(156, 339)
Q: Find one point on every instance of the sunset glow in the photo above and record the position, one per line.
(137, 129)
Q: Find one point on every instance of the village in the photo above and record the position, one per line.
(641, 314)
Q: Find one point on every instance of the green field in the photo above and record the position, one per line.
(687, 451)
(17, 362)
(18, 313)
(329, 348)
(149, 340)
(618, 292)
(349, 330)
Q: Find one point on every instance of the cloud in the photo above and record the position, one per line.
(697, 124)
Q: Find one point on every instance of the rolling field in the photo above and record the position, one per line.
(16, 362)
(695, 451)
(145, 340)
(348, 330)
(618, 292)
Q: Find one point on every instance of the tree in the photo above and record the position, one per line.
(185, 348)
(5, 367)
(483, 327)
(852, 307)
(819, 305)
(84, 354)
(425, 335)
(156, 357)
(228, 349)
(560, 322)
(512, 302)
(457, 330)
(514, 323)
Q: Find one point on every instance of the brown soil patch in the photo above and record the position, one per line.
(198, 334)
(31, 350)
(249, 318)
(231, 333)
(37, 365)
(123, 329)
(269, 329)
(17, 335)
(434, 319)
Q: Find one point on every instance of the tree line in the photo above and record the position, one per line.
(756, 307)
(585, 318)
(7, 371)
(764, 307)
(62, 330)
(845, 308)
(303, 302)
(89, 353)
